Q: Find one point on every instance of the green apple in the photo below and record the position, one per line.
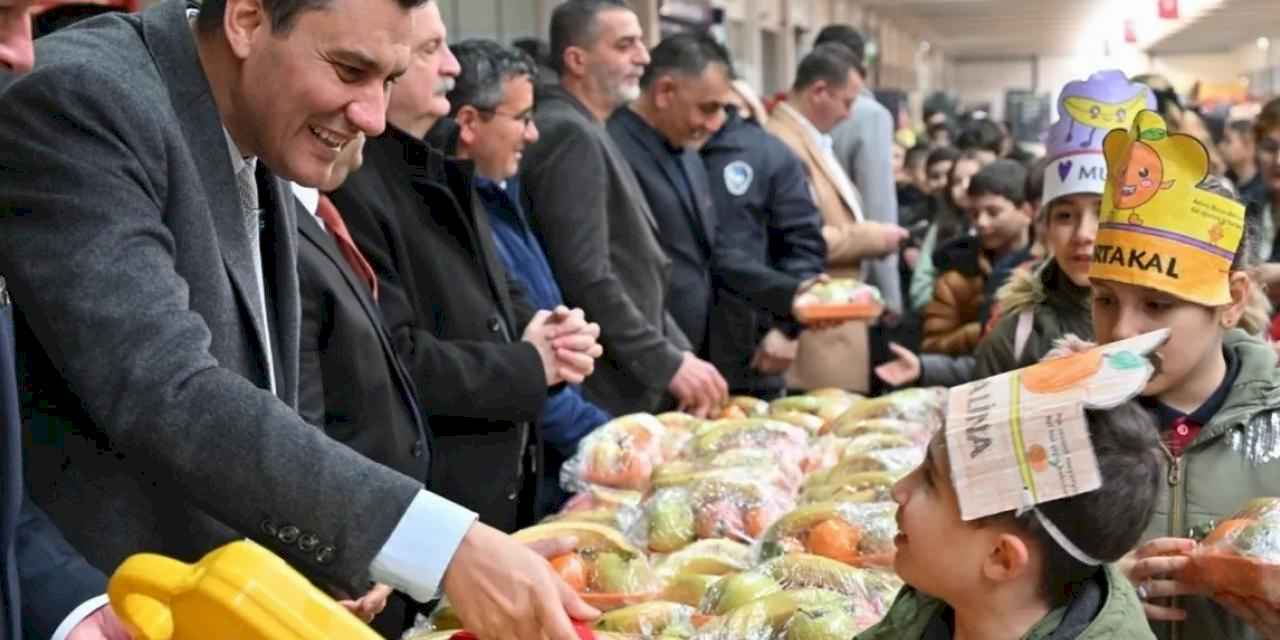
(828, 623)
(743, 588)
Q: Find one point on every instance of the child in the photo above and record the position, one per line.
(1001, 216)
(949, 212)
(1038, 308)
(1006, 576)
(1172, 254)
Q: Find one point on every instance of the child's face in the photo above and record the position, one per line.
(899, 159)
(929, 521)
(1071, 226)
(1122, 311)
(936, 177)
(961, 173)
(1001, 224)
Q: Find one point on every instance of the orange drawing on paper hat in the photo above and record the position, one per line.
(1140, 179)
(1216, 233)
(1054, 376)
(1038, 458)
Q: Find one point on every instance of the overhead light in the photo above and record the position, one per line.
(1264, 43)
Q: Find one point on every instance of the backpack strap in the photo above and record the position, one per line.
(1026, 320)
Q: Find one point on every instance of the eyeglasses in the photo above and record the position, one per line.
(524, 118)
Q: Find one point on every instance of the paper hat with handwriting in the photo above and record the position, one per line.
(1087, 110)
(1020, 439)
(1157, 228)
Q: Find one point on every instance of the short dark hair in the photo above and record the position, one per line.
(283, 13)
(486, 65)
(829, 62)
(687, 54)
(845, 35)
(982, 134)
(536, 48)
(1035, 180)
(851, 38)
(574, 24)
(917, 156)
(1268, 119)
(1106, 523)
(1241, 126)
(1006, 178)
(942, 154)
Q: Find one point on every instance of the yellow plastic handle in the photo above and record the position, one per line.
(141, 591)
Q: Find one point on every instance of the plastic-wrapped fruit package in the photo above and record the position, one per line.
(829, 451)
(607, 570)
(732, 503)
(873, 588)
(897, 462)
(763, 462)
(859, 535)
(839, 299)
(666, 620)
(921, 406)
(828, 407)
(616, 508)
(807, 421)
(852, 427)
(680, 429)
(1242, 555)
(861, 488)
(787, 442)
(620, 454)
(715, 556)
(742, 407)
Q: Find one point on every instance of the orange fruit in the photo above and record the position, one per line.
(572, 569)
(757, 521)
(1054, 376)
(835, 539)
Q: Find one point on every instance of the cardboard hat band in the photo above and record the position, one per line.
(1083, 172)
(1157, 228)
(1021, 439)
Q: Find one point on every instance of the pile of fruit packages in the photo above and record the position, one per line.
(1241, 556)
(774, 522)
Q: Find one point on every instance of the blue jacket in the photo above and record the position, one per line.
(567, 416)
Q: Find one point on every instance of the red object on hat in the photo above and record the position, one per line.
(584, 633)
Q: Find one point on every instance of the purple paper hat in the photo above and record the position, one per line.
(1087, 110)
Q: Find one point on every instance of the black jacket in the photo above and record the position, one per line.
(769, 242)
(455, 321)
(682, 206)
(602, 243)
(351, 382)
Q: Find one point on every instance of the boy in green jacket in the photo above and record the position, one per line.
(1008, 546)
(1173, 252)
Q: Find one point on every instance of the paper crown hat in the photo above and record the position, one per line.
(1020, 438)
(1157, 227)
(1087, 110)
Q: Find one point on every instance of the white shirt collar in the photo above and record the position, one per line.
(310, 199)
(821, 139)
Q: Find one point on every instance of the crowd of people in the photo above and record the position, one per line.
(308, 272)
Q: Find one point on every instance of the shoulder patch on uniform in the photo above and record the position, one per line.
(738, 176)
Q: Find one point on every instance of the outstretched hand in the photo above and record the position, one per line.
(903, 370)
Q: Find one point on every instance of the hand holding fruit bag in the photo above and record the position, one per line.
(1242, 555)
(605, 568)
(839, 299)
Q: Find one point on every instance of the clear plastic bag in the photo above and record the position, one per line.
(786, 441)
(920, 406)
(651, 620)
(605, 567)
(859, 535)
(765, 463)
(830, 450)
(616, 508)
(620, 454)
(1242, 555)
(826, 405)
(730, 503)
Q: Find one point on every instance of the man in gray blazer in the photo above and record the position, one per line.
(149, 240)
(864, 146)
(590, 213)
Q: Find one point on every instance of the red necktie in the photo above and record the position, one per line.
(338, 229)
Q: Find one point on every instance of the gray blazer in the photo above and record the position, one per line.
(602, 242)
(863, 144)
(143, 369)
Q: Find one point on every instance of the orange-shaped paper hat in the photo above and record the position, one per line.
(1157, 227)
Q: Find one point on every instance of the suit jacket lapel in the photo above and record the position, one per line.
(281, 248)
(658, 155)
(311, 232)
(169, 38)
(704, 206)
(825, 163)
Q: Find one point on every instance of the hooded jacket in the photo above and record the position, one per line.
(951, 319)
(1106, 608)
(1059, 307)
(1235, 458)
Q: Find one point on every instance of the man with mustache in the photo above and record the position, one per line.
(599, 233)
